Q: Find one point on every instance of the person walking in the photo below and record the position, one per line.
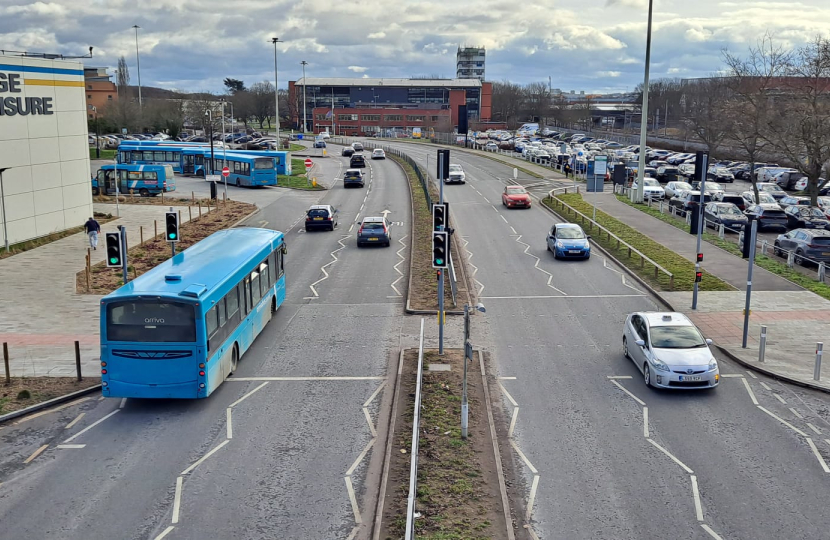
(92, 229)
(567, 169)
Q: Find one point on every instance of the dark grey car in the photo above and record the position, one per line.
(374, 230)
(726, 214)
(812, 244)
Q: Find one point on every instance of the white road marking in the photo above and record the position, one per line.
(54, 409)
(621, 274)
(645, 422)
(671, 456)
(509, 397)
(494, 207)
(621, 387)
(352, 227)
(513, 422)
(203, 458)
(751, 374)
(246, 396)
(177, 500)
(230, 423)
(360, 457)
(524, 458)
(750, 392)
(75, 436)
(728, 375)
(369, 421)
(334, 378)
(123, 402)
(374, 395)
(766, 386)
(779, 398)
(71, 446)
(618, 377)
(696, 495)
(818, 455)
(323, 268)
(712, 533)
(792, 427)
(536, 266)
(532, 497)
(353, 533)
(353, 500)
(102, 398)
(507, 378)
(796, 413)
(814, 428)
(514, 230)
(75, 421)
(503, 218)
(36, 454)
(401, 274)
(566, 297)
(165, 532)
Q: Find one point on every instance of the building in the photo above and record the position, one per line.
(43, 147)
(469, 63)
(371, 120)
(391, 95)
(100, 90)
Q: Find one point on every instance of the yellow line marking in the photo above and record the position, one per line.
(75, 421)
(56, 409)
(36, 454)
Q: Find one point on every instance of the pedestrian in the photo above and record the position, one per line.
(567, 169)
(92, 229)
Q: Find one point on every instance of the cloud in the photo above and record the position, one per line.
(377, 35)
(358, 69)
(609, 73)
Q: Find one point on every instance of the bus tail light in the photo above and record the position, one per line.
(201, 366)
(201, 373)
(103, 364)
(103, 372)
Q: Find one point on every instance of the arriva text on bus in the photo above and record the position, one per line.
(11, 106)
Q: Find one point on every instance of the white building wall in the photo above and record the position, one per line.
(47, 186)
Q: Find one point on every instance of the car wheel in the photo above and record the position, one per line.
(799, 259)
(625, 347)
(95, 191)
(646, 374)
(234, 359)
(776, 250)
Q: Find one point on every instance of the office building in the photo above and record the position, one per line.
(469, 63)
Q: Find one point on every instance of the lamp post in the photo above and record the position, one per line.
(3, 202)
(641, 166)
(209, 114)
(276, 90)
(468, 357)
(97, 135)
(224, 146)
(138, 64)
(305, 107)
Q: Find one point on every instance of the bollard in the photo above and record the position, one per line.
(817, 371)
(822, 272)
(721, 232)
(193, 196)
(200, 209)
(6, 362)
(155, 228)
(78, 359)
(764, 246)
(790, 259)
(189, 213)
(762, 348)
(688, 218)
(141, 234)
(661, 206)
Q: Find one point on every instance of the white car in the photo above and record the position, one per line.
(673, 188)
(651, 189)
(491, 146)
(766, 198)
(457, 175)
(325, 135)
(378, 153)
(670, 351)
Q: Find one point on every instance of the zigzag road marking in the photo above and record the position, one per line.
(536, 266)
(323, 268)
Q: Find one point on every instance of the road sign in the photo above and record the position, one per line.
(226, 172)
(308, 163)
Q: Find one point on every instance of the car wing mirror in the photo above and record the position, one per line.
(708, 341)
(640, 342)
(588, 237)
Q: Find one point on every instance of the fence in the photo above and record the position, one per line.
(416, 430)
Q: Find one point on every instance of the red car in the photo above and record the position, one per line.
(515, 197)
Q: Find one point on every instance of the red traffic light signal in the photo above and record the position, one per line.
(698, 277)
(700, 257)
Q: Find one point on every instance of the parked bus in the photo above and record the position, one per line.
(144, 180)
(189, 159)
(179, 330)
(245, 170)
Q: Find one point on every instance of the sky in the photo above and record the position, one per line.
(590, 45)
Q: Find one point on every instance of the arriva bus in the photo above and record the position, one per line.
(179, 330)
(144, 180)
(245, 170)
(190, 159)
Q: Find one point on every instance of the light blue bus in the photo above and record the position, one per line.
(188, 158)
(179, 330)
(144, 180)
(245, 170)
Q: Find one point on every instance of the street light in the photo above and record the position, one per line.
(3, 202)
(97, 135)
(276, 90)
(305, 107)
(641, 166)
(209, 115)
(468, 357)
(138, 64)
(224, 148)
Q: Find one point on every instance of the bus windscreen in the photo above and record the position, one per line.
(264, 163)
(151, 322)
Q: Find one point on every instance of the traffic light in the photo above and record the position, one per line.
(698, 277)
(440, 249)
(171, 220)
(439, 216)
(700, 257)
(443, 165)
(115, 250)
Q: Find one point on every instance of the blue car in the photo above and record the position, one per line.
(569, 241)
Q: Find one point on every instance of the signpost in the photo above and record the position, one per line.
(308, 163)
(226, 172)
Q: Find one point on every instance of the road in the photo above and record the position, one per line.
(266, 458)
(700, 465)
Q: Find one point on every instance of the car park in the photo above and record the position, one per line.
(378, 153)
(321, 216)
(769, 216)
(358, 147)
(651, 189)
(357, 161)
(720, 174)
(374, 230)
(688, 199)
(515, 197)
(807, 245)
(712, 188)
(456, 175)
(347, 151)
(726, 214)
(806, 217)
(768, 174)
(667, 173)
(670, 351)
(568, 241)
(803, 182)
(353, 177)
(492, 146)
(672, 188)
(787, 178)
(791, 200)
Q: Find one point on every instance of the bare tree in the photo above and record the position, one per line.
(705, 111)
(195, 109)
(262, 101)
(536, 102)
(507, 102)
(663, 96)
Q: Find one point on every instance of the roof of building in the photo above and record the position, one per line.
(370, 81)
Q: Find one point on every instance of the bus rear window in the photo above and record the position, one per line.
(151, 322)
(263, 163)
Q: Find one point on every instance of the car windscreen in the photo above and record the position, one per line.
(773, 213)
(151, 321)
(318, 213)
(730, 209)
(676, 337)
(570, 233)
(373, 225)
(516, 191)
(812, 212)
(766, 197)
(649, 182)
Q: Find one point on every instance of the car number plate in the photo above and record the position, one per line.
(318, 219)
(574, 251)
(825, 252)
(691, 378)
(373, 239)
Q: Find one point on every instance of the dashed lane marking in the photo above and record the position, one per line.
(779, 398)
(696, 495)
(503, 218)
(766, 386)
(566, 297)
(645, 422)
(814, 428)
(792, 427)
(732, 375)
(751, 374)
(796, 413)
(123, 403)
(618, 377)
(177, 501)
(71, 446)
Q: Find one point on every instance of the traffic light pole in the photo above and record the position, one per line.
(701, 174)
(123, 230)
(441, 275)
(752, 237)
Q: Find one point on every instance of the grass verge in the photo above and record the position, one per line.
(152, 252)
(20, 247)
(298, 180)
(105, 154)
(296, 147)
(682, 269)
(771, 264)
(27, 391)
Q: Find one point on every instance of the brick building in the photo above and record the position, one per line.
(100, 90)
(371, 120)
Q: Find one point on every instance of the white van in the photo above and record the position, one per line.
(767, 174)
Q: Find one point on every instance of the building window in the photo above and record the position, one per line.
(89, 96)
(394, 117)
(321, 117)
(415, 118)
(109, 98)
(435, 118)
(346, 117)
(89, 87)
(370, 117)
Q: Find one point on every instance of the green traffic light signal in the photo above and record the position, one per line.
(114, 260)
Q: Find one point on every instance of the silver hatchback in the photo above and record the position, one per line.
(670, 351)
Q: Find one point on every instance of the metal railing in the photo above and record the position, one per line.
(416, 430)
(620, 242)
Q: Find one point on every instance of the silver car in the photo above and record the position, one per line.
(669, 350)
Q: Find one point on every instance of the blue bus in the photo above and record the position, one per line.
(179, 330)
(144, 180)
(245, 170)
(188, 158)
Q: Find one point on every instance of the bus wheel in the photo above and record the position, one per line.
(144, 192)
(234, 358)
(274, 304)
(95, 191)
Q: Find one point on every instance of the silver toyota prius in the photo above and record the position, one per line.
(669, 350)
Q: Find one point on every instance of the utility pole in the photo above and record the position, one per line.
(641, 167)
(305, 107)
(3, 203)
(276, 90)
(752, 236)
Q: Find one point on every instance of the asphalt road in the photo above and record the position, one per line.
(711, 464)
(288, 455)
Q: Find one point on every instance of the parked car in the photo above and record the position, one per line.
(720, 174)
(347, 151)
(321, 216)
(456, 175)
(688, 199)
(773, 189)
(802, 183)
(374, 230)
(824, 204)
(378, 153)
(672, 188)
(806, 244)
(766, 198)
(651, 189)
(791, 200)
(767, 174)
(515, 197)
(787, 178)
(806, 217)
(568, 241)
(734, 198)
(686, 170)
(667, 173)
(357, 161)
(769, 216)
(726, 214)
(712, 188)
(353, 177)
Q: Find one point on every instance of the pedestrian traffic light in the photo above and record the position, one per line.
(700, 257)
(115, 250)
(171, 220)
(440, 249)
(439, 216)
(698, 277)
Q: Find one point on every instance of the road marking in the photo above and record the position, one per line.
(509, 397)
(513, 422)
(71, 446)
(123, 402)
(621, 387)
(503, 218)
(494, 207)
(514, 230)
(728, 375)
(353, 533)
(353, 500)
(75, 436)
(35, 454)
(75, 421)
(645, 422)
(618, 377)
(766, 386)
(246, 396)
(566, 297)
(333, 254)
(621, 274)
(818, 455)
(230, 423)
(360, 457)
(401, 274)
(792, 427)
(177, 500)
(352, 227)
(750, 392)
(524, 458)
(102, 398)
(814, 428)
(203, 458)
(779, 398)
(165, 532)
(374, 395)
(55, 409)
(507, 378)
(696, 495)
(536, 266)
(334, 378)
(796, 413)
(670, 456)
(751, 374)
(712, 533)
(532, 497)
(369, 421)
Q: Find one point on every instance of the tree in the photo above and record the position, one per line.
(705, 111)
(166, 115)
(507, 102)
(664, 95)
(243, 106)
(234, 86)
(194, 111)
(536, 101)
(262, 101)
(122, 76)
(799, 127)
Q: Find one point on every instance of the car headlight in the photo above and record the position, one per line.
(658, 365)
(713, 365)
(559, 244)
